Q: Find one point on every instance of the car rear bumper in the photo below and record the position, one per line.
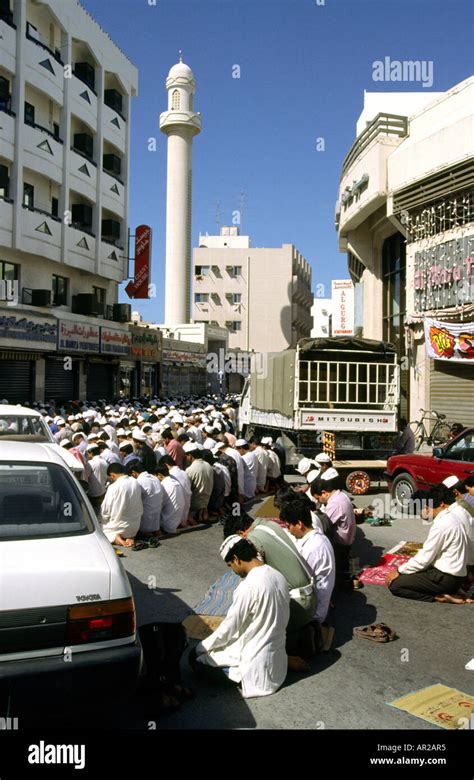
(89, 675)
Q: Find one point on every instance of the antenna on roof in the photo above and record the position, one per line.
(218, 216)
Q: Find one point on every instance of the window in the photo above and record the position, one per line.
(54, 207)
(394, 281)
(29, 114)
(60, 285)
(5, 97)
(9, 271)
(100, 294)
(234, 270)
(55, 129)
(28, 196)
(175, 100)
(4, 182)
(235, 326)
(202, 270)
(201, 298)
(235, 298)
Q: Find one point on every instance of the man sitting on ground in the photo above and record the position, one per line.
(122, 507)
(152, 499)
(249, 645)
(439, 569)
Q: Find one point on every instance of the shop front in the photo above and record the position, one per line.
(146, 350)
(24, 338)
(104, 373)
(184, 373)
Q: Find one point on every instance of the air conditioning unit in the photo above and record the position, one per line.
(112, 163)
(122, 312)
(87, 303)
(113, 99)
(110, 229)
(41, 297)
(84, 143)
(82, 214)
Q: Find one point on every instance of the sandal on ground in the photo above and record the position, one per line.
(141, 545)
(297, 664)
(377, 632)
(154, 541)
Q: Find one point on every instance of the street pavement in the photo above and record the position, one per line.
(349, 687)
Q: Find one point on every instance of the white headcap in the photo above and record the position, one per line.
(450, 481)
(227, 545)
(241, 443)
(323, 457)
(138, 435)
(312, 476)
(304, 465)
(329, 474)
(190, 446)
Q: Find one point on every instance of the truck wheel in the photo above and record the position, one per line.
(358, 483)
(403, 488)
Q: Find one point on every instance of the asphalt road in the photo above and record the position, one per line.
(349, 687)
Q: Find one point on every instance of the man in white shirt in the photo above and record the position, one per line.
(232, 453)
(316, 549)
(97, 479)
(122, 507)
(152, 499)
(185, 482)
(250, 467)
(174, 501)
(262, 463)
(439, 569)
(249, 645)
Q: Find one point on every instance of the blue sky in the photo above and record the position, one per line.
(303, 71)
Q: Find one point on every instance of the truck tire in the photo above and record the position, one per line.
(403, 487)
(358, 483)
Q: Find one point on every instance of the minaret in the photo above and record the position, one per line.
(181, 124)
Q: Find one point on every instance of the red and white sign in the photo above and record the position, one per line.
(138, 288)
(342, 307)
(325, 420)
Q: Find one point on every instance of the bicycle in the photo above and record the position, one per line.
(439, 434)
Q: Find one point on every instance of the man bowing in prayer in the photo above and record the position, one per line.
(249, 645)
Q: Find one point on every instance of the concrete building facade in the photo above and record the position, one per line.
(65, 109)
(321, 312)
(262, 296)
(405, 217)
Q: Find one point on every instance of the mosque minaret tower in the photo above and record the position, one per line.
(181, 124)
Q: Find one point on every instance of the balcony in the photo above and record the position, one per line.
(8, 37)
(7, 135)
(43, 70)
(113, 264)
(43, 151)
(363, 186)
(115, 128)
(83, 175)
(6, 222)
(83, 102)
(81, 248)
(41, 233)
(113, 194)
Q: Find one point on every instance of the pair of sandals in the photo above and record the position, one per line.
(377, 632)
(143, 544)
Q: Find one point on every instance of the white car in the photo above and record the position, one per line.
(19, 423)
(67, 615)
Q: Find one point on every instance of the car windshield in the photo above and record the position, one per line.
(39, 500)
(19, 427)
(462, 449)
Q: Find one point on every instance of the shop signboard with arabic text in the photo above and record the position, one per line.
(115, 342)
(78, 336)
(27, 331)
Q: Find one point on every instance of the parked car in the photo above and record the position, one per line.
(407, 473)
(67, 615)
(18, 423)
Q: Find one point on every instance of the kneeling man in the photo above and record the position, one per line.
(249, 645)
(438, 570)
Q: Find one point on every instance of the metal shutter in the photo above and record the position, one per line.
(452, 391)
(100, 381)
(16, 380)
(60, 383)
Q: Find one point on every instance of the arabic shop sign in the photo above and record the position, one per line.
(78, 337)
(115, 342)
(444, 275)
(450, 341)
(146, 344)
(175, 356)
(32, 330)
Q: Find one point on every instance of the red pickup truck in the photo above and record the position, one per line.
(407, 473)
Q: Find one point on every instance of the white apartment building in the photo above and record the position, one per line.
(65, 105)
(405, 217)
(262, 296)
(321, 312)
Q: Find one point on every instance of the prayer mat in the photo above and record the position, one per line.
(446, 707)
(376, 575)
(201, 626)
(219, 596)
(406, 548)
(268, 509)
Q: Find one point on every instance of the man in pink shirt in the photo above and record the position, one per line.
(339, 509)
(173, 448)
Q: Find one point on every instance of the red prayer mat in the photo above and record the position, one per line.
(376, 575)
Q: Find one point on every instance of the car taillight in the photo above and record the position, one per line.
(100, 621)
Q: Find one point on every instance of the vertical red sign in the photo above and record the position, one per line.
(138, 288)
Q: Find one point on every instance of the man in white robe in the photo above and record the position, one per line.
(249, 645)
(152, 498)
(122, 507)
(174, 501)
